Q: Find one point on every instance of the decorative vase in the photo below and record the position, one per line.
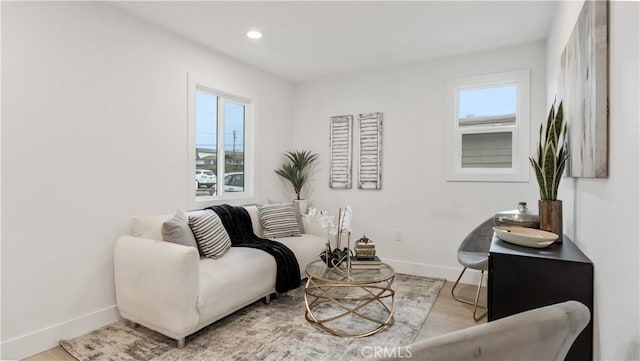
(303, 205)
(551, 217)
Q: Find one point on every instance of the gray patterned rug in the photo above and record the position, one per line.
(275, 331)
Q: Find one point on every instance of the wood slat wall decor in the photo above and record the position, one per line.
(341, 139)
(370, 157)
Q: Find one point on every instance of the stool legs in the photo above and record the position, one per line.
(475, 305)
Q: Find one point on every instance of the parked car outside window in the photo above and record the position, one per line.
(234, 182)
(206, 178)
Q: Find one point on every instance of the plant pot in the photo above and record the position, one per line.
(551, 217)
(302, 204)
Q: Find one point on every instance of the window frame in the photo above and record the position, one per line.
(199, 202)
(519, 172)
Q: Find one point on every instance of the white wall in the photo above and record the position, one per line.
(0, 190)
(432, 214)
(606, 210)
(94, 131)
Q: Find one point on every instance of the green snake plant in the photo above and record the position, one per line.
(296, 168)
(552, 154)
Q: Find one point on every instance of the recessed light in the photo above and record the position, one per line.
(254, 34)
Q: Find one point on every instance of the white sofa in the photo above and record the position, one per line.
(169, 288)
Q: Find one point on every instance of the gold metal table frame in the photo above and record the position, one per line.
(321, 287)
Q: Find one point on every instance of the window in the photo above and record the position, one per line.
(488, 128)
(219, 133)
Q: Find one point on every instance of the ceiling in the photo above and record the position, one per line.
(305, 40)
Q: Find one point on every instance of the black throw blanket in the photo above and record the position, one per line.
(237, 222)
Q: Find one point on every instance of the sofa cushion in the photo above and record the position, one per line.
(149, 226)
(279, 220)
(177, 230)
(239, 278)
(213, 240)
(307, 248)
(255, 220)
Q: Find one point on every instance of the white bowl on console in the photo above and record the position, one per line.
(528, 237)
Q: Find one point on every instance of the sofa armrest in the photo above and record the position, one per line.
(157, 284)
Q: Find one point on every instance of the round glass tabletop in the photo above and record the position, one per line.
(319, 270)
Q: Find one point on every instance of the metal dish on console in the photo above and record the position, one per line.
(520, 217)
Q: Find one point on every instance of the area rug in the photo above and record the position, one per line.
(274, 331)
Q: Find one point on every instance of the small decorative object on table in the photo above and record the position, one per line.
(365, 247)
(338, 259)
(358, 263)
(549, 167)
(365, 257)
(520, 217)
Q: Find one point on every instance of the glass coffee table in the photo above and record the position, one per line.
(349, 303)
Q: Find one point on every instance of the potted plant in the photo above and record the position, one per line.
(549, 167)
(296, 169)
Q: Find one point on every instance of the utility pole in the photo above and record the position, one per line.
(234, 142)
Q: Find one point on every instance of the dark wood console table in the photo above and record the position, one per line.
(522, 278)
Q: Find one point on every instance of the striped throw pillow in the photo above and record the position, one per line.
(213, 240)
(279, 220)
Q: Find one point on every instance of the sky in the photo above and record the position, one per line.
(486, 101)
(206, 114)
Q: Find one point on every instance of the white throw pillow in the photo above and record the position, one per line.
(213, 240)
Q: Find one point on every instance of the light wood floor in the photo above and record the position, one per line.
(447, 315)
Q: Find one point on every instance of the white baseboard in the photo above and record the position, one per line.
(471, 277)
(41, 340)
